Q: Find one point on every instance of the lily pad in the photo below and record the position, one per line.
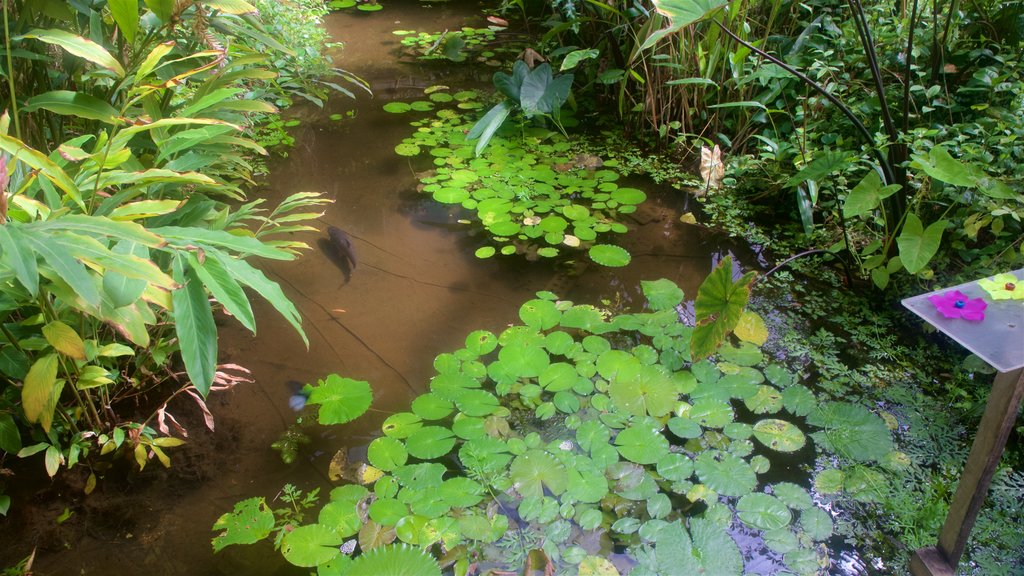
(642, 443)
(763, 511)
(852, 431)
(779, 435)
(341, 400)
(310, 545)
(724, 473)
(536, 470)
(609, 255)
(386, 453)
(430, 442)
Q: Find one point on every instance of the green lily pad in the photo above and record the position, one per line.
(675, 467)
(724, 473)
(397, 107)
(310, 545)
(536, 470)
(711, 413)
(481, 342)
(817, 524)
(852, 431)
(342, 517)
(451, 195)
(386, 453)
(431, 406)
(407, 149)
(399, 560)
(767, 400)
(525, 361)
(540, 314)
(684, 427)
(662, 294)
(792, 495)
(779, 435)
(763, 511)
(430, 442)
(402, 425)
(387, 511)
(629, 196)
(642, 443)
(609, 255)
(798, 400)
(477, 402)
(648, 390)
(341, 400)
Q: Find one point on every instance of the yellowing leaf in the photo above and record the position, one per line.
(39, 384)
(688, 218)
(751, 328)
(64, 339)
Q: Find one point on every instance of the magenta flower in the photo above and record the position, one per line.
(956, 304)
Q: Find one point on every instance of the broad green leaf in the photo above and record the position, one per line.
(719, 307)
(779, 435)
(817, 524)
(648, 390)
(64, 339)
(820, 168)
(430, 442)
(66, 266)
(867, 195)
(162, 8)
(40, 392)
(95, 254)
(725, 473)
(103, 227)
(852, 431)
(126, 14)
(310, 545)
(792, 495)
(194, 325)
(535, 471)
(397, 560)
(236, 7)
(609, 255)
(121, 289)
(152, 59)
(572, 59)
(250, 521)
(643, 443)
(341, 516)
(79, 46)
(661, 294)
(17, 254)
(70, 103)
(918, 245)
(943, 167)
(225, 289)
(268, 289)
(10, 437)
(685, 12)
(144, 209)
(38, 161)
(341, 399)
(485, 128)
(763, 511)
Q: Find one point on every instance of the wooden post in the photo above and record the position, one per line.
(1000, 415)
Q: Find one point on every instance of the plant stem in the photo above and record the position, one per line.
(10, 73)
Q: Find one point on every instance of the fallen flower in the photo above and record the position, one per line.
(956, 304)
(1003, 286)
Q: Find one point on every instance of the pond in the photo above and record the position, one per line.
(416, 291)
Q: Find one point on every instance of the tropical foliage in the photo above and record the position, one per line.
(125, 154)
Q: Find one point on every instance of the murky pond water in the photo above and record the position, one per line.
(417, 290)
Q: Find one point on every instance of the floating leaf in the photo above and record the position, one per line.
(394, 561)
(817, 524)
(724, 473)
(763, 511)
(430, 442)
(643, 443)
(648, 390)
(310, 545)
(609, 255)
(662, 294)
(249, 522)
(792, 495)
(536, 470)
(386, 453)
(341, 400)
(779, 435)
(852, 430)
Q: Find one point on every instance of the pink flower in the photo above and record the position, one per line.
(956, 304)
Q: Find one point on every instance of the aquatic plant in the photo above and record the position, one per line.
(546, 443)
(532, 194)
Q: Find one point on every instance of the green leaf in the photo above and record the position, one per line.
(485, 128)
(430, 442)
(341, 400)
(79, 46)
(126, 14)
(648, 390)
(268, 289)
(535, 471)
(41, 391)
(820, 168)
(642, 443)
(686, 12)
(867, 195)
(64, 339)
(609, 255)
(817, 524)
(386, 453)
(661, 294)
(943, 167)
(719, 307)
(398, 560)
(852, 431)
(917, 244)
(763, 511)
(710, 552)
(249, 522)
(10, 437)
(572, 59)
(70, 103)
(224, 288)
(66, 266)
(194, 325)
(725, 473)
(120, 288)
(792, 495)
(244, 245)
(162, 8)
(19, 256)
(310, 545)
(153, 58)
(38, 161)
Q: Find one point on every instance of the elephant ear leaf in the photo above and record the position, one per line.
(719, 307)
(918, 244)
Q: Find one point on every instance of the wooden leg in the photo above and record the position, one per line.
(1000, 415)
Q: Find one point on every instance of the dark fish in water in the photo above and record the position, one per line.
(338, 248)
(300, 393)
(343, 244)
